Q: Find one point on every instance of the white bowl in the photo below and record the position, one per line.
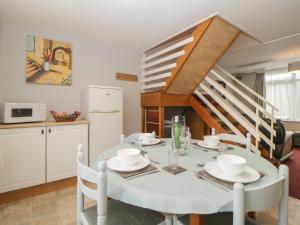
(231, 165)
(147, 137)
(128, 156)
(211, 140)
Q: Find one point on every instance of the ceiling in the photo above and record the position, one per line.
(138, 24)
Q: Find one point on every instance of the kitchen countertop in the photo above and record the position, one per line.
(42, 124)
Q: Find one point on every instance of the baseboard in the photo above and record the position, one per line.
(36, 190)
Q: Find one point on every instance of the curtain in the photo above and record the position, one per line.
(259, 87)
(283, 91)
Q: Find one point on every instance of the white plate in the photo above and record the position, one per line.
(114, 164)
(152, 142)
(204, 145)
(249, 175)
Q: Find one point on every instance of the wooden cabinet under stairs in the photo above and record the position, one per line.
(153, 116)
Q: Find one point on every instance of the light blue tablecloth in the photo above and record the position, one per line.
(183, 193)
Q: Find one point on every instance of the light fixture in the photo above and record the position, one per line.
(294, 67)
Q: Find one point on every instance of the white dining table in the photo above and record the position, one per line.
(183, 193)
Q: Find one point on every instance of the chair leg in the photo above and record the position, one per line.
(238, 204)
(168, 219)
(284, 201)
(176, 221)
(80, 202)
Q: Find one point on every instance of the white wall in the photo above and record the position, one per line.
(248, 79)
(92, 64)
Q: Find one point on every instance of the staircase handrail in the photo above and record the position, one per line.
(217, 92)
(247, 88)
(251, 102)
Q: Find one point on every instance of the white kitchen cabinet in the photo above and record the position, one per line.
(22, 157)
(36, 153)
(62, 142)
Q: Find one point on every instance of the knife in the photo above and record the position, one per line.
(142, 174)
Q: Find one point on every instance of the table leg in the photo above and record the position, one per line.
(196, 219)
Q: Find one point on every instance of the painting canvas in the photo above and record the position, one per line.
(48, 61)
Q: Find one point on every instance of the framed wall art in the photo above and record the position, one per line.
(48, 61)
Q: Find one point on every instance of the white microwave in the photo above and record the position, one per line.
(22, 112)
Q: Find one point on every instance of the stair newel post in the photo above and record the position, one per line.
(256, 126)
(271, 133)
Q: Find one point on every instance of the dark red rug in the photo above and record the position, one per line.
(294, 165)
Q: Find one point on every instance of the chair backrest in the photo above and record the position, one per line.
(85, 173)
(262, 198)
(237, 139)
(122, 139)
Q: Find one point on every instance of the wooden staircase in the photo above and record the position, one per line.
(180, 63)
(182, 71)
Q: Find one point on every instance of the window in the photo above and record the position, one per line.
(283, 91)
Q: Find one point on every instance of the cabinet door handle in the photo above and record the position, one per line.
(42, 131)
(49, 131)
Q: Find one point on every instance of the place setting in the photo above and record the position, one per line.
(133, 162)
(147, 140)
(209, 142)
(212, 142)
(228, 169)
(130, 163)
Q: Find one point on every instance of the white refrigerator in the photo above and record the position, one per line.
(103, 107)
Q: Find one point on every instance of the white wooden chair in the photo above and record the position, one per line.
(168, 217)
(235, 138)
(106, 212)
(255, 200)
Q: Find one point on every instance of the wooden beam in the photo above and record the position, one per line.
(196, 124)
(143, 111)
(206, 116)
(161, 99)
(126, 77)
(175, 100)
(151, 99)
(36, 190)
(161, 129)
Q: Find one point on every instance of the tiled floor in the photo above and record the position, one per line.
(59, 208)
(55, 208)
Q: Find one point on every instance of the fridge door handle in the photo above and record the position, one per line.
(111, 111)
